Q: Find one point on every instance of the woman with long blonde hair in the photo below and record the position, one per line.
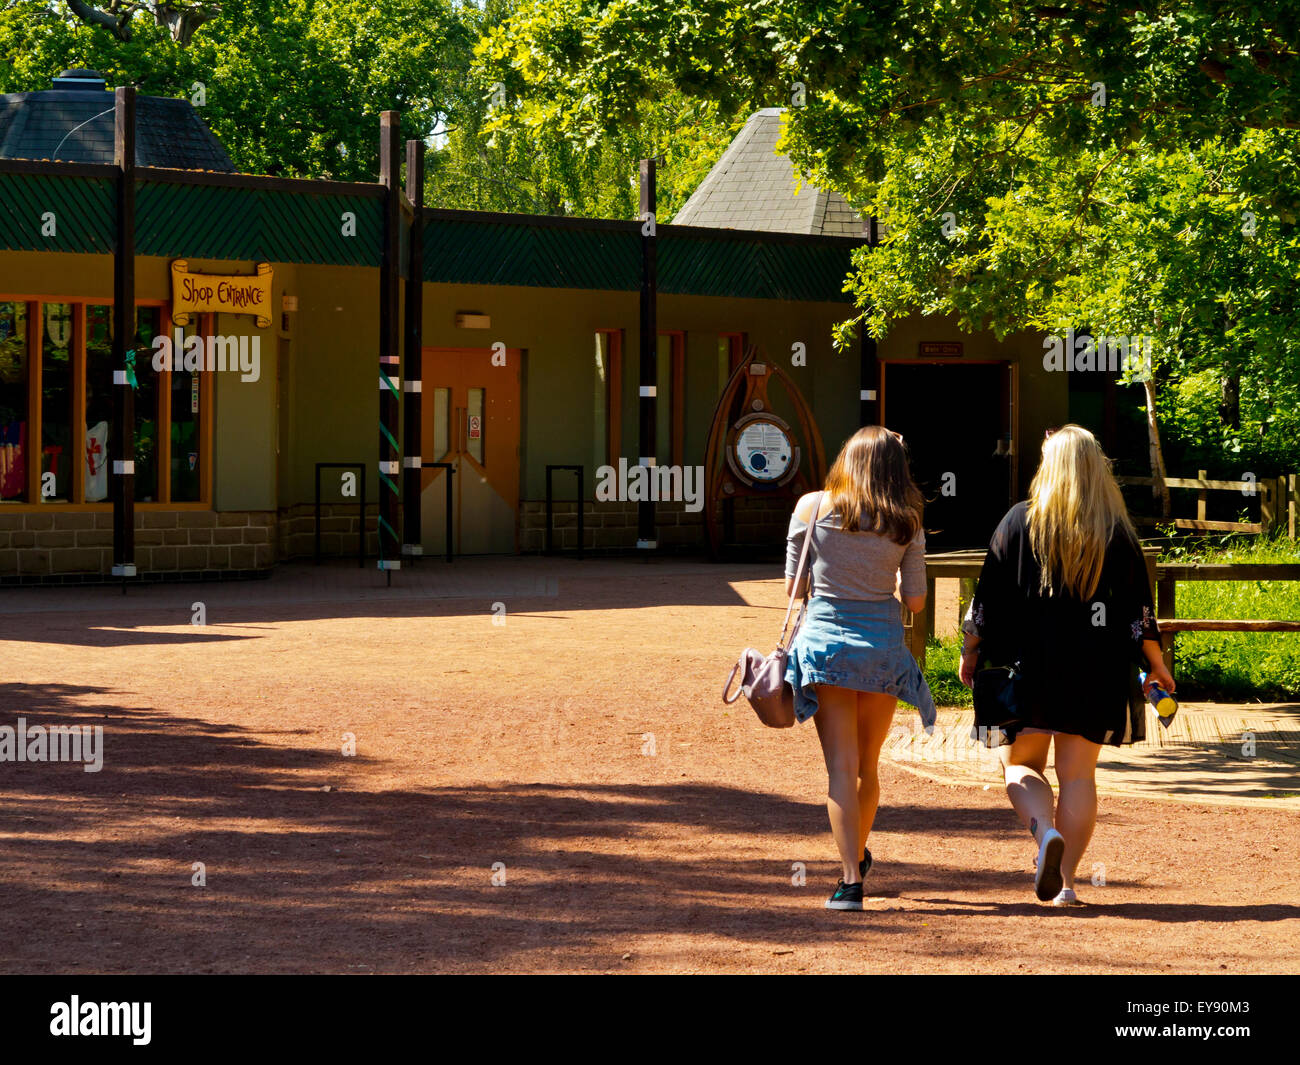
(848, 664)
(1064, 595)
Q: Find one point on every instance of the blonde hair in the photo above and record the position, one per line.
(1075, 507)
(872, 488)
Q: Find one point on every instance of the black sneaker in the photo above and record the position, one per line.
(864, 866)
(846, 897)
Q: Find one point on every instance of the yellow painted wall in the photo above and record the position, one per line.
(334, 374)
(557, 328)
(269, 437)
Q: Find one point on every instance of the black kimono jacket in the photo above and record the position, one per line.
(1079, 658)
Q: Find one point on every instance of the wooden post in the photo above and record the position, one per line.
(122, 445)
(649, 352)
(1200, 496)
(389, 361)
(929, 607)
(1166, 607)
(1268, 503)
(1292, 505)
(412, 423)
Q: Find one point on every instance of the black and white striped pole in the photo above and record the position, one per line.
(413, 330)
(122, 448)
(649, 353)
(389, 344)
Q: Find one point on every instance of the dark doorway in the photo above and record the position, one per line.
(956, 419)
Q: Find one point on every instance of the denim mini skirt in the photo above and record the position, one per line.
(854, 643)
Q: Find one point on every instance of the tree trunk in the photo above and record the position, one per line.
(1230, 400)
(1160, 490)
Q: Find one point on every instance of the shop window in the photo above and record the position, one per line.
(14, 400)
(56, 384)
(184, 414)
(57, 442)
(148, 324)
(99, 402)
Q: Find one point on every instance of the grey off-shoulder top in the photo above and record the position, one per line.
(856, 565)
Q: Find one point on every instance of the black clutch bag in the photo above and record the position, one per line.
(999, 696)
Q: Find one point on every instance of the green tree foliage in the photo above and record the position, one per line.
(1128, 169)
(295, 88)
(512, 151)
(291, 87)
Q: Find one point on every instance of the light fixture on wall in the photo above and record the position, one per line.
(473, 320)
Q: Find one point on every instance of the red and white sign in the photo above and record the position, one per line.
(475, 426)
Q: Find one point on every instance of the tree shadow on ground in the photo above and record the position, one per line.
(1211, 768)
(98, 868)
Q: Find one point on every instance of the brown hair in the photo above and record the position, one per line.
(871, 486)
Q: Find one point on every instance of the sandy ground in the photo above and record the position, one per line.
(578, 754)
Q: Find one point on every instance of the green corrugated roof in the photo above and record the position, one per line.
(212, 222)
(82, 209)
(189, 219)
(524, 253)
(501, 252)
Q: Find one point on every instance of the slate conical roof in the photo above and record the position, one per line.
(73, 122)
(754, 187)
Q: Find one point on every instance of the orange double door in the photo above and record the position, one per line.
(470, 414)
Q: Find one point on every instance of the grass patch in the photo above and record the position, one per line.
(942, 659)
(1229, 665)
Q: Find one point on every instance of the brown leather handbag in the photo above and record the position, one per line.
(762, 677)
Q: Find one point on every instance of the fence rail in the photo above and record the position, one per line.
(1277, 508)
(965, 567)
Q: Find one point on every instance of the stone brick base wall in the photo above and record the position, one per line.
(296, 535)
(612, 526)
(70, 545)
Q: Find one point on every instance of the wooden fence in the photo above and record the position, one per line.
(1164, 577)
(1277, 507)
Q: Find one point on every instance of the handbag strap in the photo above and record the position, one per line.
(798, 575)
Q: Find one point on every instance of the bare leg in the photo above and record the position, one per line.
(837, 728)
(1023, 767)
(1076, 811)
(875, 715)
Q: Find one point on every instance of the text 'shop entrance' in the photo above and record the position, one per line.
(471, 423)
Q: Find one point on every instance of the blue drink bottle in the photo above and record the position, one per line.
(1165, 705)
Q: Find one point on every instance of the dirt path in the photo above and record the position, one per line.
(640, 825)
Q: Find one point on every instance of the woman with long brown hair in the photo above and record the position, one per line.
(848, 664)
(1064, 595)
